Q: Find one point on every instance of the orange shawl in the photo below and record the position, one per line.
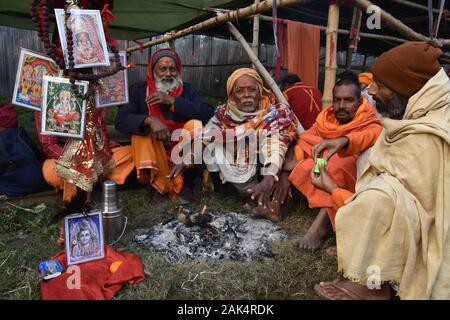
(341, 169)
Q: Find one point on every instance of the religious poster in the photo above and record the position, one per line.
(89, 42)
(30, 73)
(84, 234)
(113, 90)
(63, 113)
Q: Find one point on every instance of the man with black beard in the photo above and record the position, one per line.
(159, 106)
(395, 228)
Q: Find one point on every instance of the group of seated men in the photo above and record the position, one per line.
(383, 186)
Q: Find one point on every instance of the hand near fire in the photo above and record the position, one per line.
(160, 97)
(282, 189)
(262, 191)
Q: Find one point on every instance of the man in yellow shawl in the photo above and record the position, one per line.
(249, 115)
(395, 227)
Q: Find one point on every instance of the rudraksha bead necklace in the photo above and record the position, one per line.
(39, 13)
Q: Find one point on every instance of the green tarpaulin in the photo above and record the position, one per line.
(135, 18)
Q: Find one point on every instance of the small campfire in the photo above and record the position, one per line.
(222, 236)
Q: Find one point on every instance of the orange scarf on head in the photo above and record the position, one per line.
(267, 97)
(328, 127)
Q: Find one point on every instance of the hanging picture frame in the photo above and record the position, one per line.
(30, 74)
(113, 90)
(89, 42)
(84, 237)
(63, 113)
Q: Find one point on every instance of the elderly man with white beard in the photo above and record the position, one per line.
(159, 106)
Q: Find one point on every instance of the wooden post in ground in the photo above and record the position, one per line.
(255, 44)
(260, 68)
(353, 37)
(330, 54)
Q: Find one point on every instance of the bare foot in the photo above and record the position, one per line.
(315, 236)
(331, 251)
(343, 289)
(261, 213)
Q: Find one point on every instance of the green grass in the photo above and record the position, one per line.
(26, 238)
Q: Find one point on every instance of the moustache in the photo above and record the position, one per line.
(170, 79)
(247, 100)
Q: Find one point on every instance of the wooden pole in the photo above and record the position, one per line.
(354, 35)
(392, 22)
(330, 54)
(259, 67)
(255, 44)
(220, 19)
(362, 34)
(415, 5)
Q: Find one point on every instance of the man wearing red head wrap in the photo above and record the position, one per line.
(158, 107)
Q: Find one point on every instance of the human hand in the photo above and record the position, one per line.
(323, 180)
(158, 128)
(262, 191)
(160, 97)
(177, 170)
(332, 145)
(282, 189)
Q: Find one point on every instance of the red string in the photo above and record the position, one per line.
(279, 62)
(107, 17)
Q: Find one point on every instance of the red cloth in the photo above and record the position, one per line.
(97, 281)
(302, 51)
(155, 109)
(306, 102)
(8, 116)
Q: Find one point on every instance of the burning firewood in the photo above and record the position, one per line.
(190, 219)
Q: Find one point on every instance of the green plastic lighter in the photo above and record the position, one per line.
(319, 162)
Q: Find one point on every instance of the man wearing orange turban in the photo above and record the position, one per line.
(249, 115)
(395, 227)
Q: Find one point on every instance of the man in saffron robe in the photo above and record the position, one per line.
(249, 115)
(157, 108)
(305, 100)
(352, 120)
(395, 227)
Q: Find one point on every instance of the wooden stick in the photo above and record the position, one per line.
(255, 44)
(330, 54)
(220, 19)
(392, 22)
(362, 34)
(353, 39)
(415, 5)
(260, 68)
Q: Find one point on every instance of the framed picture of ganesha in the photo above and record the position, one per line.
(113, 90)
(63, 113)
(29, 78)
(89, 42)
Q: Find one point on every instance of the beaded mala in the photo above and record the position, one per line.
(39, 11)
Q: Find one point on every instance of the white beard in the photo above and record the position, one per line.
(167, 88)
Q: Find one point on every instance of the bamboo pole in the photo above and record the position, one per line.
(330, 54)
(255, 44)
(446, 42)
(354, 35)
(220, 19)
(415, 5)
(259, 67)
(392, 22)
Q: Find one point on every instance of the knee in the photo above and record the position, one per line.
(49, 173)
